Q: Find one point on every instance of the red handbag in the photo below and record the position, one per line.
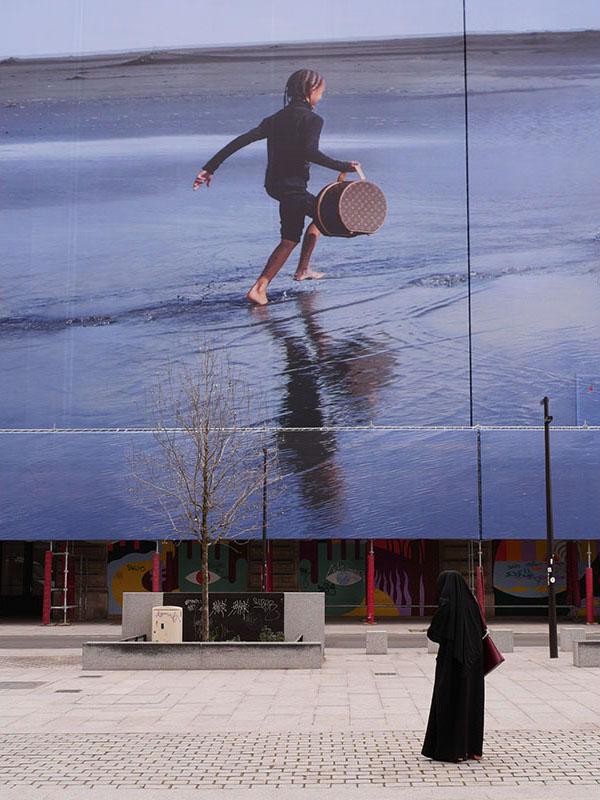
(492, 657)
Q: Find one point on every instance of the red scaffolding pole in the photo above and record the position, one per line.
(370, 584)
(47, 598)
(589, 587)
(156, 569)
(480, 589)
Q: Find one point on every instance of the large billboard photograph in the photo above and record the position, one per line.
(401, 390)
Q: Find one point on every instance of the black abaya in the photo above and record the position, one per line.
(455, 727)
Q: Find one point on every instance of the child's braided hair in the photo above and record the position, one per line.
(300, 84)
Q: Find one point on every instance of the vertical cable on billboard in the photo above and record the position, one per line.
(264, 567)
(479, 490)
(479, 568)
(468, 210)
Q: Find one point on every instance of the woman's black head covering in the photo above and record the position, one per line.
(458, 618)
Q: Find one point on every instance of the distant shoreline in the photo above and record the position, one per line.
(412, 66)
(274, 50)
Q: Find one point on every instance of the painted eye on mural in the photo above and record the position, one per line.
(196, 577)
(344, 577)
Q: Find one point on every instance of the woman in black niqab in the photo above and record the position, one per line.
(455, 727)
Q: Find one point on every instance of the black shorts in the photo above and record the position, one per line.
(294, 206)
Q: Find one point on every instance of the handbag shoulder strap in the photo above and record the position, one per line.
(485, 627)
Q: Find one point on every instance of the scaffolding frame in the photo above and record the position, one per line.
(71, 589)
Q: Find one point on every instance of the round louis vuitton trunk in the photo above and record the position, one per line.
(350, 208)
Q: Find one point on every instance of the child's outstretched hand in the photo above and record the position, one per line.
(202, 177)
(356, 165)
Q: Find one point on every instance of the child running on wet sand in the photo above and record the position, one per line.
(292, 136)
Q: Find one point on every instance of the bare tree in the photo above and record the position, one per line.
(207, 468)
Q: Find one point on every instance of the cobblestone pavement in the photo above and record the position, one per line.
(327, 759)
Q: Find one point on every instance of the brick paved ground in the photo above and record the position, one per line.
(327, 759)
(356, 723)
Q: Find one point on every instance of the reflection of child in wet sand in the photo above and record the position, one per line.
(292, 136)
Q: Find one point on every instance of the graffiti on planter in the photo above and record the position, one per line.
(233, 616)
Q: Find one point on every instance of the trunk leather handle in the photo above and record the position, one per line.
(359, 172)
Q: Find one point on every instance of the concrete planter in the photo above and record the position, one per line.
(304, 615)
(304, 618)
(201, 655)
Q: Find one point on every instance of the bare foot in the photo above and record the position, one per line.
(258, 296)
(476, 758)
(308, 275)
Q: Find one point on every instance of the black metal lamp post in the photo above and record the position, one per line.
(552, 632)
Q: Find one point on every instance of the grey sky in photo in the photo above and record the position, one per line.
(72, 27)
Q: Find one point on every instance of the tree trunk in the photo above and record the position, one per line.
(205, 625)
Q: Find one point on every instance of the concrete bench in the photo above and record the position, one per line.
(503, 638)
(570, 634)
(586, 652)
(377, 642)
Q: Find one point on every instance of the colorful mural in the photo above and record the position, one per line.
(337, 568)
(227, 567)
(400, 572)
(129, 569)
(405, 573)
(520, 577)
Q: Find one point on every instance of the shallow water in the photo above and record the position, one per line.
(113, 268)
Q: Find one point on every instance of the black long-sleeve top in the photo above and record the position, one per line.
(292, 136)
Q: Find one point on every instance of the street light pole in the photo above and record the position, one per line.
(552, 631)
